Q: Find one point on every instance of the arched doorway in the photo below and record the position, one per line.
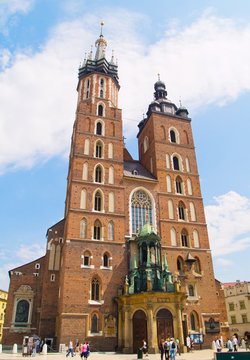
(164, 324)
(139, 329)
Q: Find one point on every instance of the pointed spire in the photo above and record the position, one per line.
(112, 61)
(101, 46)
(91, 53)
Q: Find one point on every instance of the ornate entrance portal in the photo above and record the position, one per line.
(139, 329)
(164, 325)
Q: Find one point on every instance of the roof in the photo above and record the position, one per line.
(135, 170)
(226, 285)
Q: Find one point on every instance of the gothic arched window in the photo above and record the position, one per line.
(99, 128)
(100, 110)
(98, 201)
(184, 238)
(98, 149)
(172, 136)
(181, 211)
(105, 260)
(97, 230)
(86, 259)
(180, 264)
(141, 210)
(83, 228)
(94, 328)
(95, 289)
(111, 231)
(22, 312)
(178, 184)
(176, 163)
(101, 93)
(98, 174)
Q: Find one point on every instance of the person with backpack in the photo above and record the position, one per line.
(166, 349)
(172, 346)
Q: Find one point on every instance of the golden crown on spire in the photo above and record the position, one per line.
(101, 39)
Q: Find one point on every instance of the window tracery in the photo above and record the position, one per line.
(141, 209)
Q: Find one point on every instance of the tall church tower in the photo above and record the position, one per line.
(94, 211)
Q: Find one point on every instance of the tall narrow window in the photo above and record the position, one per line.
(83, 203)
(99, 128)
(94, 328)
(86, 259)
(100, 110)
(172, 136)
(146, 143)
(197, 266)
(189, 187)
(101, 93)
(141, 210)
(111, 202)
(101, 83)
(192, 320)
(173, 237)
(190, 290)
(111, 175)
(170, 209)
(187, 164)
(196, 239)
(97, 230)
(176, 163)
(98, 201)
(98, 174)
(86, 147)
(168, 178)
(110, 153)
(85, 171)
(180, 264)
(178, 184)
(192, 212)
(95, 287)
(167, 161)
(184, 238)
(105, 260)
(181, 211)
(111, 231)
(83, 228)
(98, 149)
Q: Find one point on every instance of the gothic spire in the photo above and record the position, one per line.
(101, 44)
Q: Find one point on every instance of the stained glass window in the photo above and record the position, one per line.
(141, 209)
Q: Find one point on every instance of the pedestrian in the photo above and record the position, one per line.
(84, 350)
(88, 349)
(161, 348)
(218, 345)
(178, 346)
(229, 345)
(235, 343)
(172, 347)
(166, 349)
(70, 349)
(188, 343)
(76, 349)
(145, 347)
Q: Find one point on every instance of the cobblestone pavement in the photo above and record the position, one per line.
(196, 355)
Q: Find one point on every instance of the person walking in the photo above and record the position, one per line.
(235, 343)
(70, 349)
(145, 347)
(178, 346)
(229, 345)
(161, 348)
(218, 345)
(166, 349)
(172, 347)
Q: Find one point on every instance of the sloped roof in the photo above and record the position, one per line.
(141, 172)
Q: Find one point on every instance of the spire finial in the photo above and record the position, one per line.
(180, 101)
(158, 77)
(102, 23)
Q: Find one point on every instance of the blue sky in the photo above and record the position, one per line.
(200, 48)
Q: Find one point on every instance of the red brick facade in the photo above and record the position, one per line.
(78, 300)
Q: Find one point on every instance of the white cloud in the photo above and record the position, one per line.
(8, 8)
(228, 224)
(206, 63)
(24, 254)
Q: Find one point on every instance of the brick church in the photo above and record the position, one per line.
(131, 258)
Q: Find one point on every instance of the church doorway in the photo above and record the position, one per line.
(139, 329)
(164, 325)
